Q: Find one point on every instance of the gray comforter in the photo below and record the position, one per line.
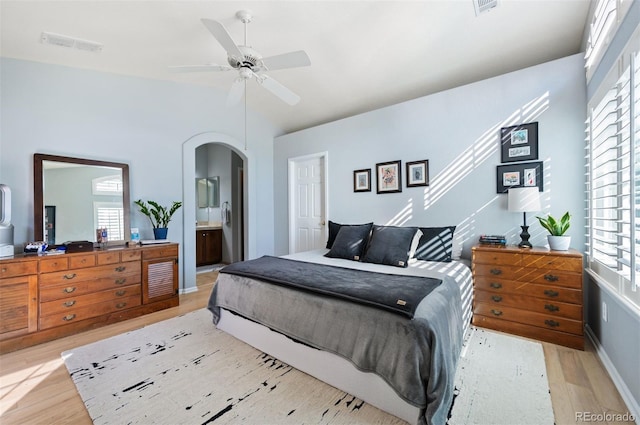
(416, 357)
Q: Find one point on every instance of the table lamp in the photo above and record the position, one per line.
(524, 200)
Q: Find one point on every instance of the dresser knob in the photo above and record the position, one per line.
(495, 285)
(551, 323)
(69, 303)
(121, 305)
(69, 317)
(551, 293)
(496, 298)
(120, 281)
(120, 268)
(69, 276)
(69, 289)
(495, 272)
(496, 312)
(120, 293)
(550, 278)
(551, 307)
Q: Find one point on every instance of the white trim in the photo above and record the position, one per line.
(188, 290)
(626, 395)
(616, 296)
(291, 190)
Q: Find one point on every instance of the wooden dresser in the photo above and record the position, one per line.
(51, 296)
(536, 293)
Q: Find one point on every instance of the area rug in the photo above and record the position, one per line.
(185, 371)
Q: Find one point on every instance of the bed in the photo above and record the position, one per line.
(401, 362)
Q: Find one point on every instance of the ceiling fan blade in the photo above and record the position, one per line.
(222, 35)
(236, 92)
(199, 68)
(287, 60)
(278, 89)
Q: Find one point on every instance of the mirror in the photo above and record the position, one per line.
(73, 197)
(208, 192)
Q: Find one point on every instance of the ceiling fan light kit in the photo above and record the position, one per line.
(249, 63)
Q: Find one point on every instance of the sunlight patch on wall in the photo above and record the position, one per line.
(403, 216)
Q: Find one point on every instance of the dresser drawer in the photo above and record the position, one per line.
(547, 292)
(54, 264)
(69, 304)
(513, 314)
(18, 268)
(79, 261)
(526, 302)
(550, 277)
(553, 262)
(130, 255)
(108, 257)
(112, 271)
(496, 258)
(160, 252)
(70, 290)
(497, 271)
(94, 310)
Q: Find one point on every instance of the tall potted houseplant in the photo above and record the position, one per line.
(558, 241)
(159, 215)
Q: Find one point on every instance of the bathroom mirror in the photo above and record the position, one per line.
(75, 196)
(208, 192)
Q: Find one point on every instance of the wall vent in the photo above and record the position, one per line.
(70, 42)
(482, 6)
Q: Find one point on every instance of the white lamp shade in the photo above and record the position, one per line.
(524, 199)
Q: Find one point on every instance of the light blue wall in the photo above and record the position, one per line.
(457, 131)
(73, 112)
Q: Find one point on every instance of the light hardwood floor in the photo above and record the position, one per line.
(35, 387)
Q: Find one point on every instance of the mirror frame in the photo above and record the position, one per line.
(38, 195)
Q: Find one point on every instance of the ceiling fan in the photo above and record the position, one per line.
(249, 63)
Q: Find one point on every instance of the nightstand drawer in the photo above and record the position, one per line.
(545, 321)
(496, 258)
(497, 271)
(553, 262)
(550, 277)
(525, 302)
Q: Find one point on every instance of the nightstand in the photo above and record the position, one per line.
(535, 292)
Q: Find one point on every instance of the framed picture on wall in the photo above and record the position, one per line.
(519, 142)
(526, 174)
(418, 173)
(362, 180)
(389, 177)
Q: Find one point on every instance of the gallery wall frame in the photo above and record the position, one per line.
(389, 177)
(362, 180)
(519, 142)
(525, 174)
(417, 173)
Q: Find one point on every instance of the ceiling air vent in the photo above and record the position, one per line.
(70, 42)
(482, 6)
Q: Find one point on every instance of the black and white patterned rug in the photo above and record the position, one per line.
(185, 371)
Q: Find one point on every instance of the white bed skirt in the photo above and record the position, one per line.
(325, 366)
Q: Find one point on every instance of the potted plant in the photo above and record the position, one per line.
(558, 241)
(159, 216)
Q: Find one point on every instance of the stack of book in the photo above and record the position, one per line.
(493, 240)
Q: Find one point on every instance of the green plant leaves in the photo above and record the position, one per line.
(555, 227)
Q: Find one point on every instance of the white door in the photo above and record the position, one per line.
(307, 203)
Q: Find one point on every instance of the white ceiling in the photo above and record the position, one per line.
(364, 54)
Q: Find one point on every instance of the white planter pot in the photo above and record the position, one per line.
(559, 243)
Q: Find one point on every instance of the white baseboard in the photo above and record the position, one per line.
(188, 290)
(626, 395)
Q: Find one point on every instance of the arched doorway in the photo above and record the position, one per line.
(188, 282)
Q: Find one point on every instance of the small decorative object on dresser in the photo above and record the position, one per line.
(532, 292)
(159, 216)
(557, 239)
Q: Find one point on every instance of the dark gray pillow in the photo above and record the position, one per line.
(334, 228)
(350, 242)
(436, 244)
(390, 245)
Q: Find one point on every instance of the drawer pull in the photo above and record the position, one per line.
(69, 317)
(550, 277)
(121, 293)
(69, 289)
(496, 312)
(551, 293)
(121, 305)
(120, 281)
(69, 303)
(120, 268)
(496, 298)
(4, 270)
(551, 307)
(69, 276)
(495, 272)
(551, 323)
(495, 285)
